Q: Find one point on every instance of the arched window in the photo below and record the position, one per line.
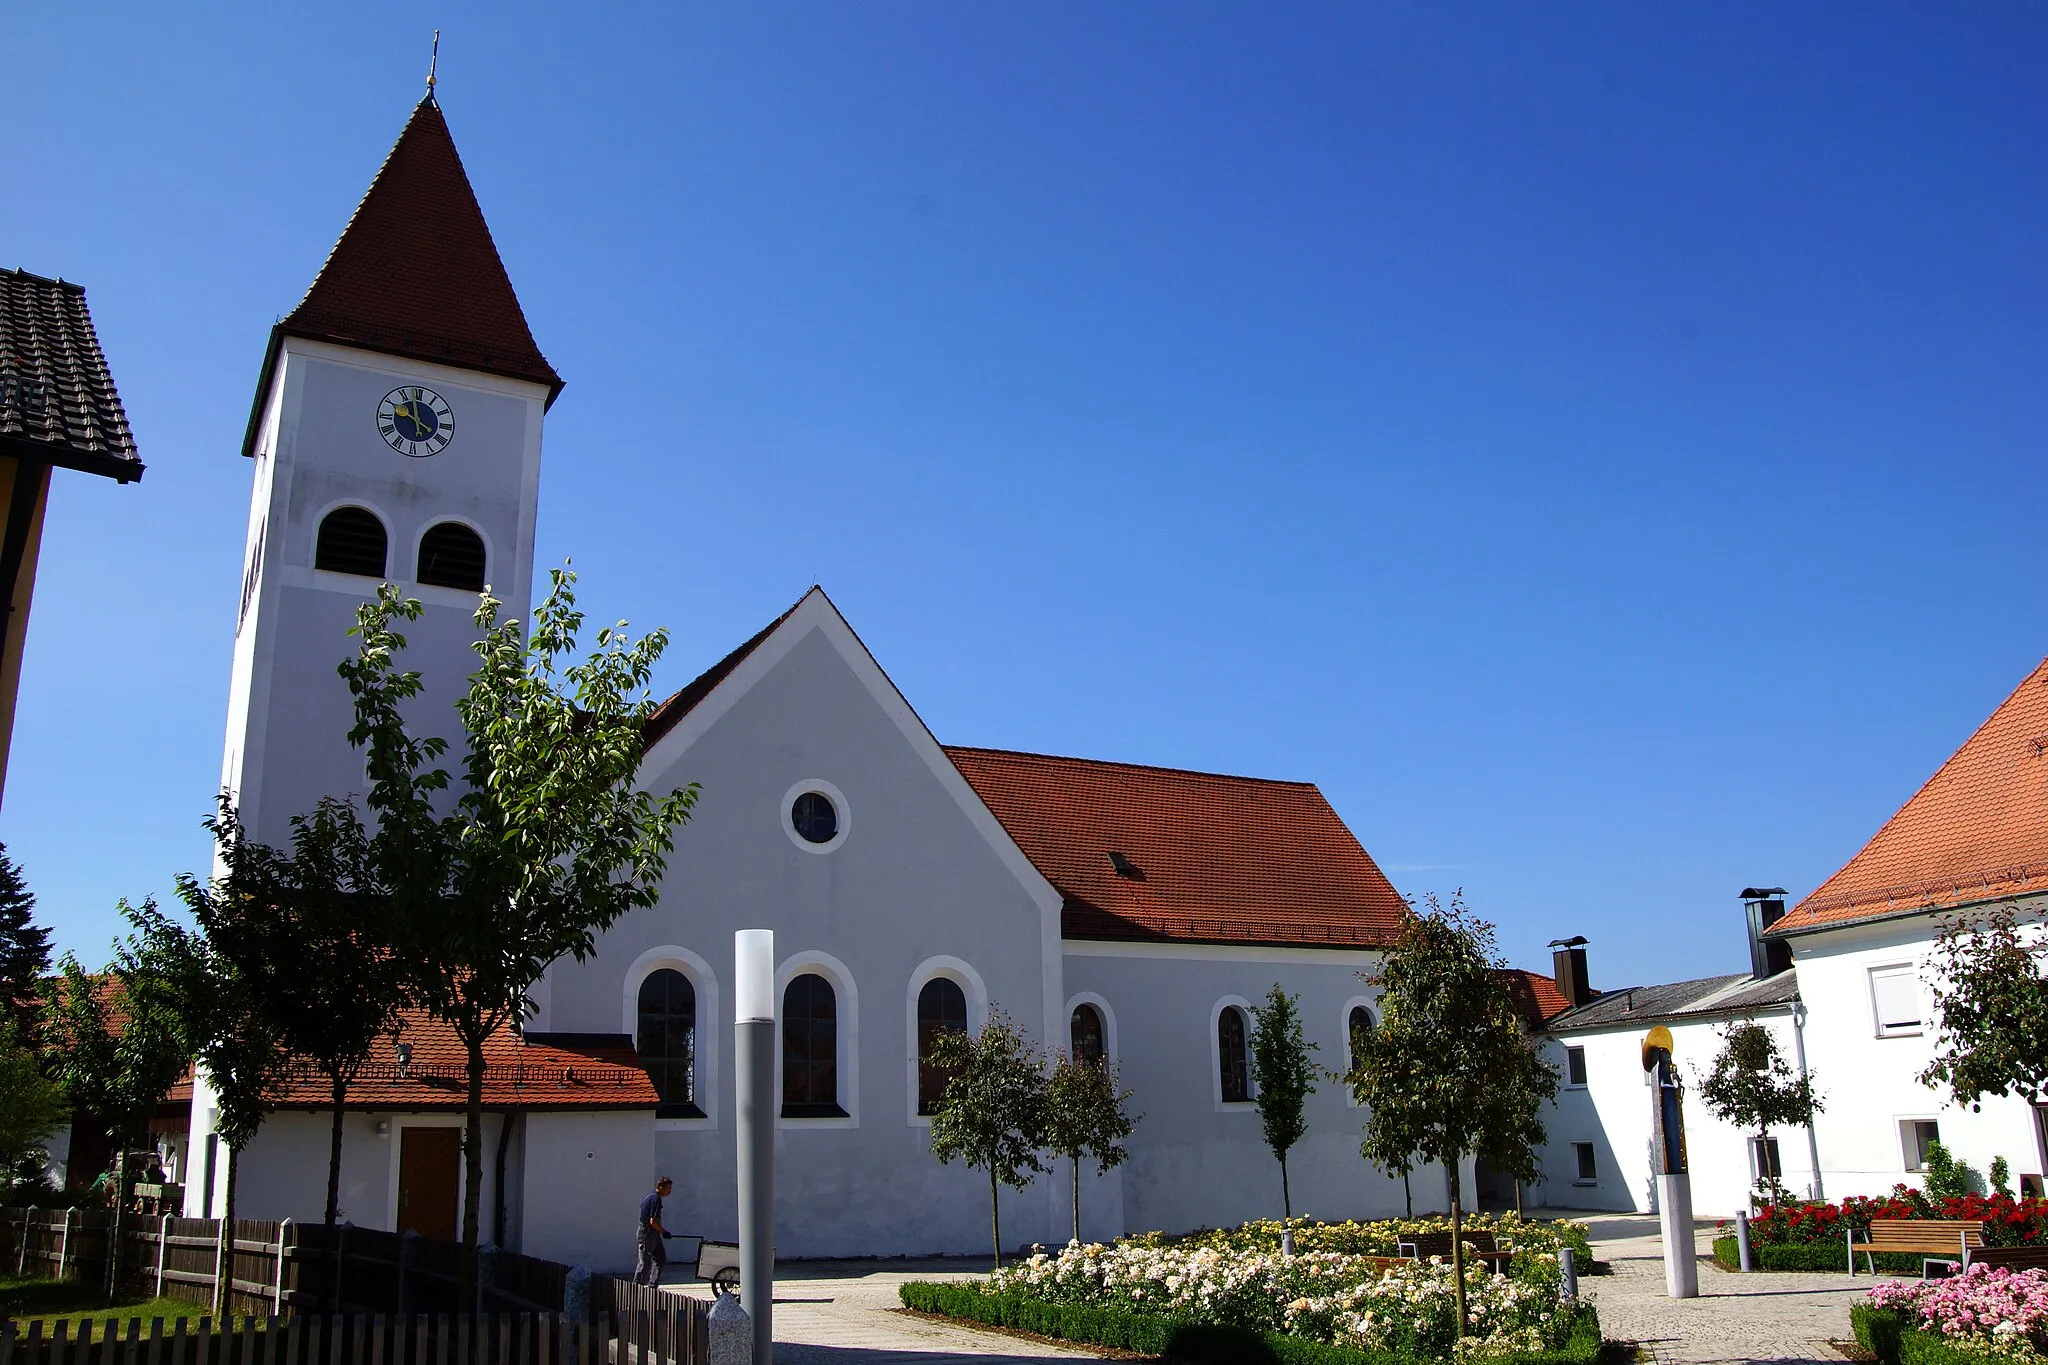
(452, 556)
(810, 1049)
(1359, 1024)
(941, 1008)
(668, 1041)
(1234, 1066)
(351, 540)
(1084, 1034)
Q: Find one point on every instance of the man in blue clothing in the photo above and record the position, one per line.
(653, 1256)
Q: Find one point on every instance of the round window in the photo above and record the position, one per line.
(814, 818)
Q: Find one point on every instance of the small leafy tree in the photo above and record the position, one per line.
(1947, 1177)
(1284, 1074)
(548, 839)
(1450, 1073)
(117, 1041)
(32, 1106)
(1991, 1008)
(1750, 1087)
(1086, 1115)
(24, 956)
(2001, 1176)
(991, 1115)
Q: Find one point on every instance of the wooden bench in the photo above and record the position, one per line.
(1479, 1244)
(1957, 1237)
(2011, 1258)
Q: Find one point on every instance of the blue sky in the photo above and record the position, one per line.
(1598, 444)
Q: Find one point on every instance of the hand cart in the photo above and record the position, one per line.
(718, 1262)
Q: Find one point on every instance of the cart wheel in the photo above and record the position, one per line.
(727, 1281)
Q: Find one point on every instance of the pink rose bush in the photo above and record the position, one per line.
(1988, 1308)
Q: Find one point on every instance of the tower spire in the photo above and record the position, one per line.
(433, 61)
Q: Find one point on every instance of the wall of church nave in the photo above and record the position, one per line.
(839, 1195)
(582, 1177)
(1178, 1186)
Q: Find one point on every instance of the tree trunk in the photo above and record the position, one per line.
(1077, 1197)
(1457, 1241)
(472, 1175)
(338, 1095)
(995, 1216)
(1286, 1201)
(224, 1250)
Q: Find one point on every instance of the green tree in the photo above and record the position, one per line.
(24, 956)
(220, 975)
(1750, 1087)
(32, 1106)
(1086, 1114)
(1449, 1073)
(548, 839)
(1283, 1077)
(991, 1115)
(117, 1042)
(1991, 1010)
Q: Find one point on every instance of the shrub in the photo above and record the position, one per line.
(1829, 1256)
(1511, 1231)
(1985, 1313)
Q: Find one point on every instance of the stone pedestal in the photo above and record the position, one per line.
(1681, 1257)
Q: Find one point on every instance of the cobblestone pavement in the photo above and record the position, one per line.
(1781, 1316)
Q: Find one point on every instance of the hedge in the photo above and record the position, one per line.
(1812, 1256)
(1195, 1342)
(1890, 1336)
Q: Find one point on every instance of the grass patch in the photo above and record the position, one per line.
(23, 1301)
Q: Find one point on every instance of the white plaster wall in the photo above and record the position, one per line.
(1194, 1162)
(916, 877)
(1613, 1111)
(584, 1176)
(283, 1173)
(1871, 1083)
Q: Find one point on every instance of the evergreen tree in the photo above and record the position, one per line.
(24, 956)
(1284, 1076)
(991, 1115)
(1086, 1115)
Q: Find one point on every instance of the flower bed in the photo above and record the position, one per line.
(1334, 1298)
(1984, 1314)
(1511, 1232)
(2007, 1221)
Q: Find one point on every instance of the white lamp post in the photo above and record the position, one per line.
(753, 952)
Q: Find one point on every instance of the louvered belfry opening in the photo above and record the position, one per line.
(452, 556)
(351, 540)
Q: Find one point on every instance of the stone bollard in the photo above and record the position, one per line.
(1287, 1241)
(732, 1332)
(1742, 1251)
(1567, 1274)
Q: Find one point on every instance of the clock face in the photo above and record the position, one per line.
(416, 422)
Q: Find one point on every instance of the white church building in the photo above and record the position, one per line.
(1110, 908)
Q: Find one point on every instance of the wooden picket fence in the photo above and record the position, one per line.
(672, 1332)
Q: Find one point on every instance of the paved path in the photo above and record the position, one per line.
(1781, 1316)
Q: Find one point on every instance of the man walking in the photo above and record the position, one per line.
(653, 1256)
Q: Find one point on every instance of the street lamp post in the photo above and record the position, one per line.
(754, 1079)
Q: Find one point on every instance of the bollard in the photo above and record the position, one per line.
(732, 1333)
(1567, 1274)
(1287, 1241)
(1742, 1253)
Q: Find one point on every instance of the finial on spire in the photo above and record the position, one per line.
(433, 62)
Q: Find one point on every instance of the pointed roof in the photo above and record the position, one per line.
(1978, 829)
(416, 274)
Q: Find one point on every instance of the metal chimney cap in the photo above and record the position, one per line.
(1758, 893)
(1575, 941)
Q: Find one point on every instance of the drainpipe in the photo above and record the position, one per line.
(1799, 1054)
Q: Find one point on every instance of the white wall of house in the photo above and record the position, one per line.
(1869, 1073)
(583, 1176)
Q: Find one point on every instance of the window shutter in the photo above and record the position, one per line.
(1896, 994)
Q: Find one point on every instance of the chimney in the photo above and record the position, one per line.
(1568, 965)
(1764, 906)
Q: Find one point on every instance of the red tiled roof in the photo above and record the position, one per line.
(1977, 830)
(517, 1074)
(1536, 996)
(416, 272)
(1217, 859)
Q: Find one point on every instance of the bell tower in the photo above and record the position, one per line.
(395, 436)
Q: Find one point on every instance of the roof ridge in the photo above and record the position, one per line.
(1125, 763)
(685, 699)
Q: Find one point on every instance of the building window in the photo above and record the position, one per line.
(941, 1008)
(351, 540)
(1587, 1173)
(1895, 999)
(1575, 1066)
(668, 1041)
(1915, 1137)
(1085, 1034)
(1764, 1154)
(1233, 1066)
(813, 817)
(810, 1049)
(452, 556)
(1357, 1024)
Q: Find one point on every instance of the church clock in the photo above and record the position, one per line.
(416, 421)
